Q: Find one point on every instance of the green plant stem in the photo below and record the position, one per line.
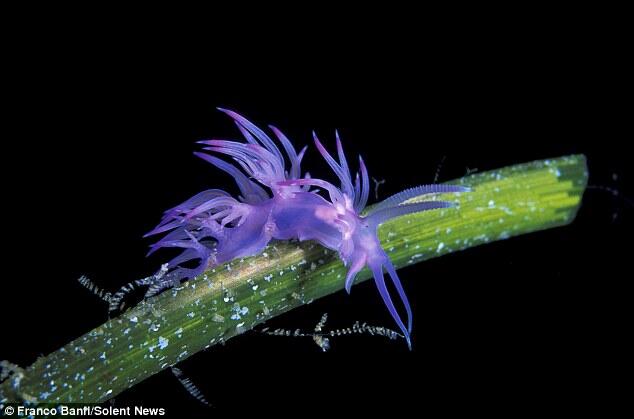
(233, 298)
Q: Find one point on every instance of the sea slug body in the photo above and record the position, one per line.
(277, 202)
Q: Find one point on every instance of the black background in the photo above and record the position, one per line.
(97, 140)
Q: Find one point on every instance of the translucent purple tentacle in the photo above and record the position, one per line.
(364, 189)
(170, 238)
(377, 272)
(251, 153)
(186, 256)
(163, 227)
(214, 204)
(251, 192)
(174, 216)
(255, 160)
(334, 193)
(194, 201)
(246, 134)
(342, 159)
(401, 292)
(355, 267)
(300, 156)
(257, 132)
(357, 191)
(294, 158)
(381, 216)
(410, 193)
(344, 178)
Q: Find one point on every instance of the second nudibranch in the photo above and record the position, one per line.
(276, 202)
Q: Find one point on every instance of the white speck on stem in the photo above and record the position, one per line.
(163, 342)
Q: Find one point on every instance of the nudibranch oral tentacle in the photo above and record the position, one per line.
(277, 202)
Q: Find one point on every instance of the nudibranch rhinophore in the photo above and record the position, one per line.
(276, 202)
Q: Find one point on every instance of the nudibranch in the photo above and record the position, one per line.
(277, 202)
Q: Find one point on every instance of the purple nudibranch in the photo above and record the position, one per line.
(276, 202)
